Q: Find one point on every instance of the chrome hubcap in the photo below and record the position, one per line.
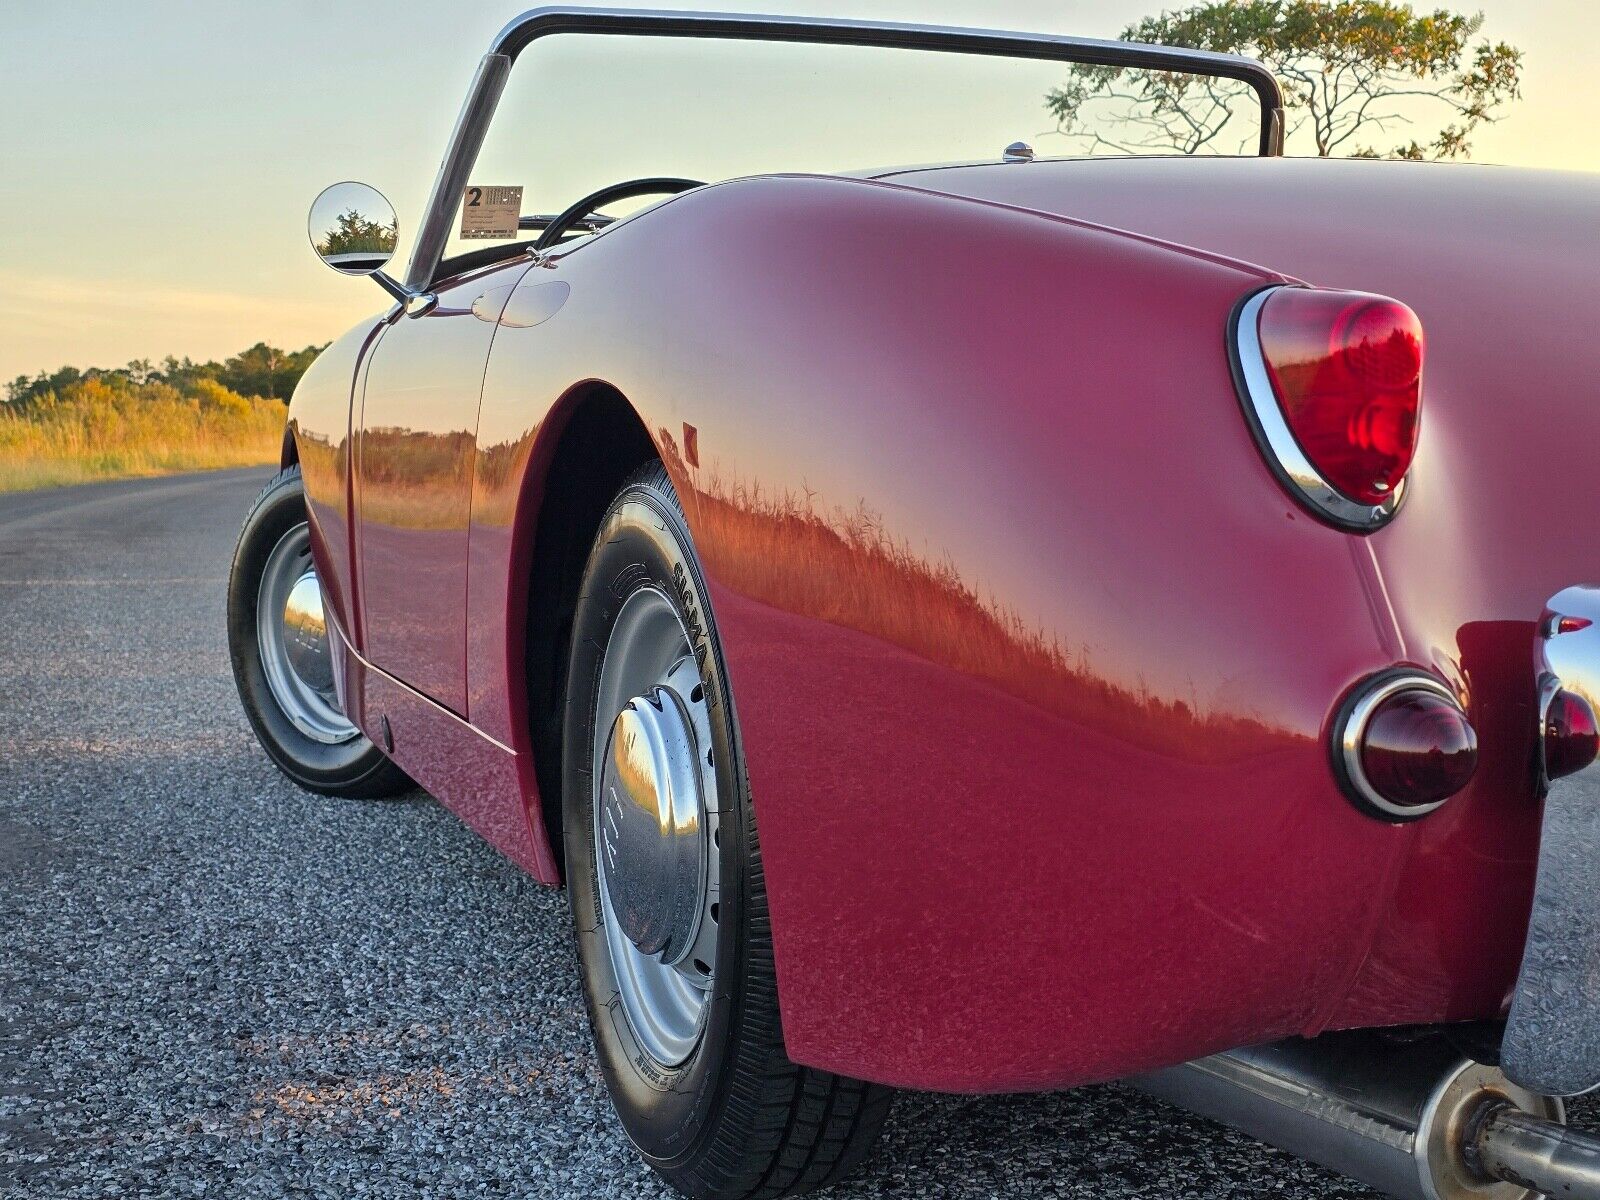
(305, 634)
(650, 825)
(656, 828)
(292, 633)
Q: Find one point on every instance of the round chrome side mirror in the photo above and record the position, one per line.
(353, 228)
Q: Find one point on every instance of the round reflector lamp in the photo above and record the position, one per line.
(1569, 735)
(1403, 746)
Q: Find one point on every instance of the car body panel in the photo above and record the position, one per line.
(867, 731)
(413, 485)
(477, 778)
(1031, 655)
(1499, 265)
(320, 425)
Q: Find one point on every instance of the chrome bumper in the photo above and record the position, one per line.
(1552, 1038)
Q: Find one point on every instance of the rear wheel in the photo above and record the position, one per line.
(278, 640)
(665, 879)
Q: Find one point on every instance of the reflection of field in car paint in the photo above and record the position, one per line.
(841, 566)
(414, 480)
(844, 567)
(837, 565)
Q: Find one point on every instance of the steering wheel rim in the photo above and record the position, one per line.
(627, 190)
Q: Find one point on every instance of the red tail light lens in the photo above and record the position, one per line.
(1404, 746)
(1571, 735)
(1346, 370)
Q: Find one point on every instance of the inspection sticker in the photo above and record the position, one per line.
(491, 212)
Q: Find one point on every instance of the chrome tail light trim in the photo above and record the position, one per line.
(1277, 442)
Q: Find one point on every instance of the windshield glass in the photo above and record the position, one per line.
(580, 113)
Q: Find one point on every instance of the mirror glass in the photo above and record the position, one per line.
(353, 228)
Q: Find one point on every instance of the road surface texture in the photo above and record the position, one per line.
(212, 984)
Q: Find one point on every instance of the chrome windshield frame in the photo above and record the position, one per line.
(487, 85)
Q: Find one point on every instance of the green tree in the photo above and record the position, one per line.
(265, 370)
(262, 370)
(22, 390)
(1351, 71)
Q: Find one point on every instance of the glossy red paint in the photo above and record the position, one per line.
(513, 464)
(481, 781)
(1468, 565)
(1032, 657)
(415, 449)
(319, 421)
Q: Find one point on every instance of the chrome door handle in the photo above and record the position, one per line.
(528, 304)
(488, 306)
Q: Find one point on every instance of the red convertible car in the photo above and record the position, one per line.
(988, 627)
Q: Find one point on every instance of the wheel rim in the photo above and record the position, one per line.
(656, 833)
(292, 633)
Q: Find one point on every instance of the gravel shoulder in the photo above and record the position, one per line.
(214, 984)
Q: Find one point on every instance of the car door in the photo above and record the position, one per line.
(417, 431)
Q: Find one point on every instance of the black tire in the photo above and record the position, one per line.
(356, 768)
(736, 1120)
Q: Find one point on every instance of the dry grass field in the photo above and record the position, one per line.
(106, 428)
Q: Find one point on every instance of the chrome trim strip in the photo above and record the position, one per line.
(473, 123)
(1354, 729)
(1277, 441)
(366, 664)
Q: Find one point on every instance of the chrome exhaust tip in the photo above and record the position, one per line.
(1411, 1118)
(1543, 1158)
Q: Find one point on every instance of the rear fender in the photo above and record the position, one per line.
(1031, 655)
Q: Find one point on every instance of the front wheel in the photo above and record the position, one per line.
(665, 879)
(278, 640)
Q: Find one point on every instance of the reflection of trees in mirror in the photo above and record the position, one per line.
(353, 233)
(1351, 71)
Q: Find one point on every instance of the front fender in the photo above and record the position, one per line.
(318, 435)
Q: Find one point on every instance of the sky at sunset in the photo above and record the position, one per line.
(159, 157)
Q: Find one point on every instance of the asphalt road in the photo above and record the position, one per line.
(214, 984)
